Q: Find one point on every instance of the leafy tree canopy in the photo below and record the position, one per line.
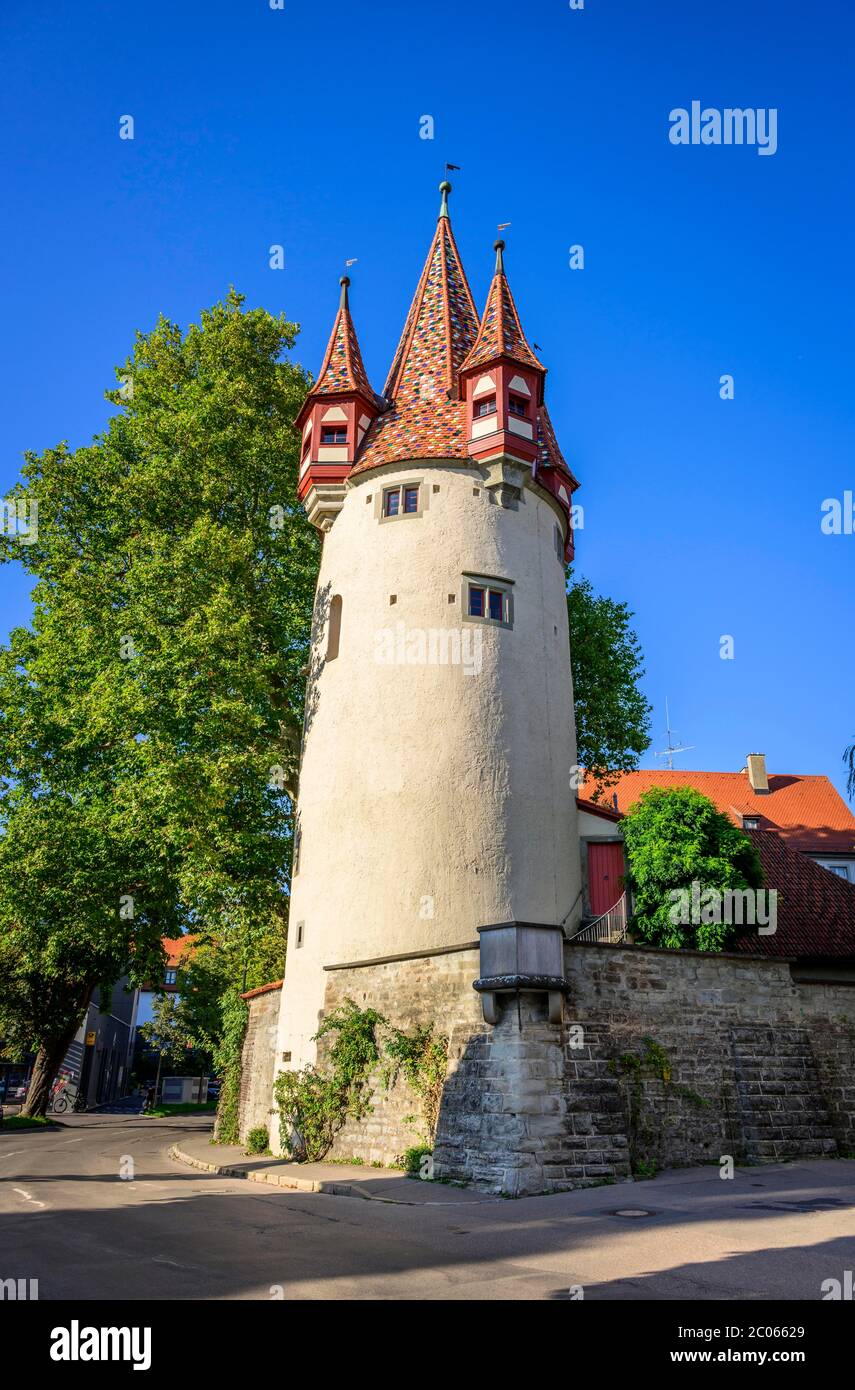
(674, 838)
(151, 717)
(612, 715)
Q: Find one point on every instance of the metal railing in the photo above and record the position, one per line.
(608, 929)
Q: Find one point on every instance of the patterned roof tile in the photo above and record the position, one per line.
(423, 420)
(342, 369)
(500, 333)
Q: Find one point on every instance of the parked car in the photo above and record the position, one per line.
(213, 1088)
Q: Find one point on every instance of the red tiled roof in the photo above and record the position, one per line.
(342, 368)
(815, 908)
(423, 422)
(175, 947)
(807, 812)
(500, 333)
(594, 808)
(263, 989)
(549, 455)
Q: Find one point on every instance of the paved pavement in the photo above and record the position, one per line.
(336, 1179)
(96, 1209)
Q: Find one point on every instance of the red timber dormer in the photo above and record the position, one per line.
(333, 420)
(426, 418)
(501, 380)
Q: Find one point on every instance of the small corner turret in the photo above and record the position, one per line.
(333, 419)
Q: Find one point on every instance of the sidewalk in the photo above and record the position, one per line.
(334, 1179)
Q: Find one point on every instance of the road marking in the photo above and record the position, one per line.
(12, 1154)
(21, 1193)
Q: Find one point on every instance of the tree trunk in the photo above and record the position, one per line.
(49, 1059)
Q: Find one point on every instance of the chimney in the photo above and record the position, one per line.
(757, 773)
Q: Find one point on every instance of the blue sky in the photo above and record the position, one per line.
(300, 127)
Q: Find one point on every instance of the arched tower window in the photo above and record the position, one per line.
(334, 632)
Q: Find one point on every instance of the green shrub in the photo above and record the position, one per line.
(412, 1159)
(258, 1140)
(313, 1104)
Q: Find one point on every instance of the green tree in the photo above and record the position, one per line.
(612, 715)
(675, 838)
(168, 1032)
(154, 711)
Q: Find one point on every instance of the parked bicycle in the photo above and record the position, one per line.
(60, 1100)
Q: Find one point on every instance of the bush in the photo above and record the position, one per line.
(258, 1140)
(412, 1160)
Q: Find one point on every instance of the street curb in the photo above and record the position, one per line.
(330, 1189)
(274, 1179)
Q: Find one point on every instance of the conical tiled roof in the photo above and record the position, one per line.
(500, 333)
(549, 454)
(342, 368)
(425, 420)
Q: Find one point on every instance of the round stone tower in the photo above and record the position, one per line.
(436, 790)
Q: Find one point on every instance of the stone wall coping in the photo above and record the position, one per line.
(703, 955)
(262, 989)
(406, 955)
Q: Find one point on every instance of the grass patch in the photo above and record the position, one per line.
(163, 1112)
(25, 1122)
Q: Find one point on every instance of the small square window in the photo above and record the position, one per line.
(497, 606)
(487, 407)
(517, 406)
(333, 434)
(411, 499)
(392, 502)
(170, 977)
(476, 602)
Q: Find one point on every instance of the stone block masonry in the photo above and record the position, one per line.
(664, 1059)
(258, 1061)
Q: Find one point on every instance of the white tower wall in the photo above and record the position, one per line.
(433, 800)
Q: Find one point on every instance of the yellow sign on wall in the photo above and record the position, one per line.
(90, 1038)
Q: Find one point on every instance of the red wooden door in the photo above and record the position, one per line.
(605, 875)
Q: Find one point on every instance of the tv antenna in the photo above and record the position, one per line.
(672, 747)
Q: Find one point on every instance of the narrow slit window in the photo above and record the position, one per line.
(497, 606)
(411, 499)
(334, 633)
(392, 502)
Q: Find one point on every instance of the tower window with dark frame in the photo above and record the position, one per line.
(517, 405)
(490, 605)
(487, 407)
(334, 434)
(392, 502)
(411, 499)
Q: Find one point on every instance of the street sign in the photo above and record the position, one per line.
(90, 1038)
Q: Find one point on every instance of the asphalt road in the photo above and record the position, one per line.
(97, 1210)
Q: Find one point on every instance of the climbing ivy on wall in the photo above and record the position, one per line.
(228, 1065)
(315, 1102)
(633, 1069)
(423, 1058)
